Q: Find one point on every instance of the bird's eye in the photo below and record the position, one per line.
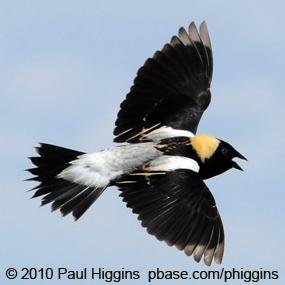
(224, 150)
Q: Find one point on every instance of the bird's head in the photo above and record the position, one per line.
(216, 155)
(225, 153)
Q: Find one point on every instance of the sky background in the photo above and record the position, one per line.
(65, 66)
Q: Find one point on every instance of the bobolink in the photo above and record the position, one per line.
(161, 167)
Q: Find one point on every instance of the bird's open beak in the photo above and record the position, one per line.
(234, 164)
(240, 156)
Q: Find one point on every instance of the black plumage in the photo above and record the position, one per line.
(171, 88)
(161, 172)
(67, 196)
(176, 207)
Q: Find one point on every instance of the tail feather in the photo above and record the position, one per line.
(80, 203)
(47, 187)
(58, 195)
(52, 160)
(69, 197)
(53, 152)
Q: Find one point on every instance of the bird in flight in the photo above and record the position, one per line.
(162, 163)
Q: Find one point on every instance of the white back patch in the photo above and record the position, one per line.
(167, 132)
(99, 168)
(169, 162)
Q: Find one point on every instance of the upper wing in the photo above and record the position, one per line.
(171, 88)
(177, 207)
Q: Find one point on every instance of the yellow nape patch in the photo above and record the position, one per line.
(204, 145)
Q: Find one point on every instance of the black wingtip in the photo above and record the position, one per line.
(75, 217)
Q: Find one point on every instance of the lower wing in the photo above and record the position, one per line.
(177, 207)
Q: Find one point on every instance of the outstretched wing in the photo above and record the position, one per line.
(171, 89)
(177, 207)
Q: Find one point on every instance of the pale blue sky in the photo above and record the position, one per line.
(65, 66)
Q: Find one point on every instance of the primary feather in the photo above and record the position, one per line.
(171, 89)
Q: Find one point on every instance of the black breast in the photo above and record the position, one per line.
(213, 166)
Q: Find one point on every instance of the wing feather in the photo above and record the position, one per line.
(171, 89)
(177, 207)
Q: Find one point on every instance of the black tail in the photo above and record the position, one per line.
(64, 195)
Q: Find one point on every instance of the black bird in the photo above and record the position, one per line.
(161, 167)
